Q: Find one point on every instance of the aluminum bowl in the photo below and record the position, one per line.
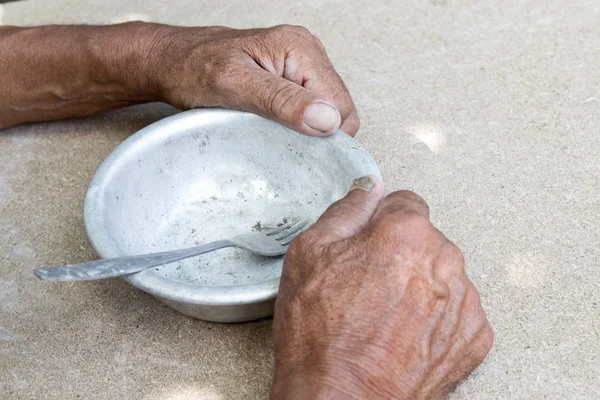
(204, 175)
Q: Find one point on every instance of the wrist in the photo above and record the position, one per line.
(292, 383)
(174, 66)
(123, 58)
(341, 379)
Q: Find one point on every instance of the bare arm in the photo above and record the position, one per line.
(55, 72)
(283, 73)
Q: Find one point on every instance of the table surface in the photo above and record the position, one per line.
(488, 109)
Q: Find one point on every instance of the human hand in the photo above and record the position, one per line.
(282, 73)
(63, 71)
(374, 302)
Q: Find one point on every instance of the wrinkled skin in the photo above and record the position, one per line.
(375, 303)
(275, 72)
(61, 71)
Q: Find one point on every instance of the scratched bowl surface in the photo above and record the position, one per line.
(204, 175)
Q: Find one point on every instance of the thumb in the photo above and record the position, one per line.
(289, 104)
(348, 216)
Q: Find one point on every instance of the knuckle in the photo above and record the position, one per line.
(413, 221)
(454, 256)
(218, 28)
(410, 197)
(301, 30)
(355, 124)
(292, 29)
(472, 302)
(407, 212)
(408, 227)
(318, 42)
(480, 333)
(484, 343)
(283, 27)
(488, 337)
(476, 300)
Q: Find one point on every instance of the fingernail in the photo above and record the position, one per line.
(365, 183)
(321, 116)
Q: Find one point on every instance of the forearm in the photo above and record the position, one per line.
(54, 72)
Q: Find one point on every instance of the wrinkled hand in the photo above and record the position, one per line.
(282, 73)
(374, 302)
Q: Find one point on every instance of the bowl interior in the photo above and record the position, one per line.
(207, 175)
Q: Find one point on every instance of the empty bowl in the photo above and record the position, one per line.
(205, 175)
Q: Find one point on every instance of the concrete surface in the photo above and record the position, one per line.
(489, 109)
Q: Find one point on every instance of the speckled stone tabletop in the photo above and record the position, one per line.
(488, 109)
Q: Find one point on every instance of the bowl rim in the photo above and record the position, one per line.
(171, 289)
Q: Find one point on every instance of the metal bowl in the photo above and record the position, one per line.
(204, 175)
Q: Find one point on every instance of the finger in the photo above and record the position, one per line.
(321, 78)
(351, 124)
(307, 65)
(328, 85)
(350, 215)
(471, 343)
(324, 81)
(400, 203)
(286, 102)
